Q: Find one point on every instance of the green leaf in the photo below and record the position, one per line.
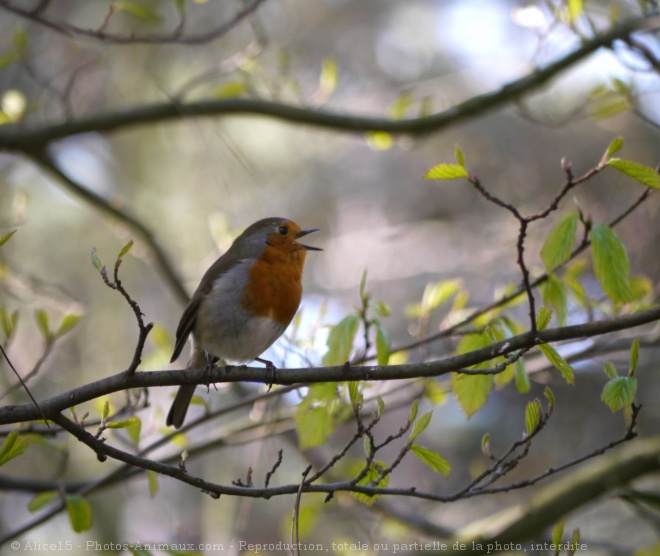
(558, 246)
(340, 341)
(555, 294)
(382, 345)
(485, 444)
(6, 237)
(42, 320)
(231, 89)
(125, 249)
(634, 357)
(354, 392)
(619, 392)
(135, 430)
(436, 293)
(434, 392)
(419, 426)
(124, 423)
(80, 513)
(471, 391)
(314, 426)
(41, 500)
(20, 40)
(401, 105)
(152, 480)
(138, 11)
(381, 309)
(459, 156)
(8, 321)
(329, 76)
(372, 474)
(446, 172)
(611, 264)
(643, 174)
(559, 362)
(575, 9)
(557, 533)
(96, 262)
(543, 317)
(66, 324)
(12, 447)
(614, 147)
(414, 408)
(379, 140)
(532, 415)
(106, 410)
(521, 378)
(381, 405)
(610, 370)
(550, 396)
(434, 460)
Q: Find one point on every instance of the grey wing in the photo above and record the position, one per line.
(186, 325)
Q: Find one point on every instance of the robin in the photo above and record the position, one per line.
(244, 302)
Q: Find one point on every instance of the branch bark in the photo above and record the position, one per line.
(456, 363)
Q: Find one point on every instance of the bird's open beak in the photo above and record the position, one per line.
(302, 233)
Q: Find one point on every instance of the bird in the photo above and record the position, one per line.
(244, 302)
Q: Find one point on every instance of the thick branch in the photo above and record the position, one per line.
(20, 138)
(548, 506)
(456, 363)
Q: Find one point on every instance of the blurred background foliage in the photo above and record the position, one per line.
(196, 183)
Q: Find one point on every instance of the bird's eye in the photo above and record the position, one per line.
(283, 230)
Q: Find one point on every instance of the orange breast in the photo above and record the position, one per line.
(275, 285)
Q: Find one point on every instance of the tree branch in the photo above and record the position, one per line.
(23, 139)
(456, 363)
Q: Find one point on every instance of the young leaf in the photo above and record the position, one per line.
(619, 392)
(610, 370)
(382, 345)
(67, 323)
(400, 106)
(419, 426)
(329, 76)
(354, 392)
(124, 423)
(80, 513)
(314, 425)
(340, 341)
(614, 147)
(485, 444)
(543, 318)
(372, 474)
(611, 264)
(41, 317)
(152, 480)
(125, 249)
(532, 415)
(634, 357)
(559, 362)
(446, 172)
(557, 533)
(41, 500)
(12, 447)
(550, 396)
(434, 460)
(471, 391)
(413, 411)
(381, 406)
(643, 174)
(521, 378)
(6, 237)
(555, 294)
(135, 430)
(96, 262)
(459, 156)
(559, 243)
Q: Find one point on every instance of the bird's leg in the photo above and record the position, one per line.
(208, 369)
(271, 371)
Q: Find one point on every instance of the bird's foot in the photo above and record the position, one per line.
(271, 371)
